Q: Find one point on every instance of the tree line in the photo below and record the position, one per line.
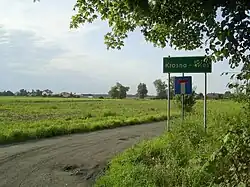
(24, 92)
(119, 91)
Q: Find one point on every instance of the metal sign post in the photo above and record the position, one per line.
(182, 86)
(168, 118)
(182, 99)
(205, 104)
(191, 64)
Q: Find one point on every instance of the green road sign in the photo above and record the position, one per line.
(193, 64)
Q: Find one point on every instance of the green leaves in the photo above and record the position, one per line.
(142, 90)
(161, 88)
(118, 91)
(182, 24)
(230, 165)
(189, 101)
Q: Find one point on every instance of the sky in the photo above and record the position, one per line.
(38, 50)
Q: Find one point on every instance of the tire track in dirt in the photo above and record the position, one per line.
(73, 160)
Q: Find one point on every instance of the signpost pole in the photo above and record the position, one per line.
(205, 104)
(168, 117)
(182, 102)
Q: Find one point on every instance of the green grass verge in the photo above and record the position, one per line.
(176, 158)
(33, 118)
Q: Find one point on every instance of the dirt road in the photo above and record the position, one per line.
(72, 161)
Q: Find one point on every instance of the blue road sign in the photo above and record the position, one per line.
(183, 85)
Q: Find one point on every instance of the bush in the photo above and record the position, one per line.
(187, 156)
(230, 164)
(189, 101)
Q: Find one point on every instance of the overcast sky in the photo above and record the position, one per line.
(39, 51)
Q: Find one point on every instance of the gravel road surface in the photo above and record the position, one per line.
(72, 160)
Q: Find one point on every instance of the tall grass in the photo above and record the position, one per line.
(23, 118)
(176, 158)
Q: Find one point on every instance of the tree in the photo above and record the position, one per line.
(114, 92)
(142, 90)
(162, 22)
(162, 88)
(118, 91)
(227, 94)
(47, 92)
(39, 92)
(22, 92)
(7, 93)
(33, 93)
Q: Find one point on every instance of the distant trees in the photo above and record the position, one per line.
(118, 91)
(162, 88)
(142, 90)
(228, 94)
(200, 96)
(47, 92)
(22, 92)
(37, 93)
(7, 93)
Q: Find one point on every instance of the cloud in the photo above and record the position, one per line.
(49, 19)
(33, 62)
(22, 49)
(24, 64)
(21, 53)
(38, 50)
(99, 66)
(105, 69)
(39, 46)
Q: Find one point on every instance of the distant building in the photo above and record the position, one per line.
(100, 96)
(131, 96)
(213, 95)
(65, 94)
(86, 95)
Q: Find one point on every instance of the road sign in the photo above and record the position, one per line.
(192, 64)
(183, 85)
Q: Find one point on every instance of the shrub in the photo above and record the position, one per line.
(187, 156)
(189, 101)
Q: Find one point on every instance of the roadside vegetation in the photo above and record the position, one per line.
(187, 156)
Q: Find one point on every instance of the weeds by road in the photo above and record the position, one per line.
(186, 156)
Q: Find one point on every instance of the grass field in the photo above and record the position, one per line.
(176, 158)
(23, 118)
(187, 156)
